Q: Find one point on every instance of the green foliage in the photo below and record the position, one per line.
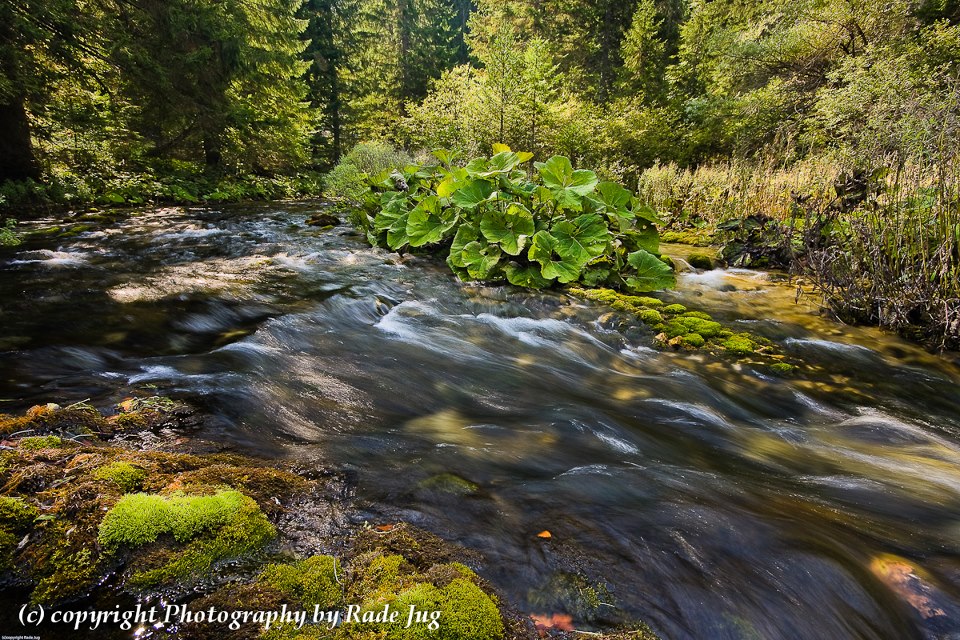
(8, 233)
(123, 474)
(348, 183)
(493, 221)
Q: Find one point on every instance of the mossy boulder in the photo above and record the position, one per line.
(208, 528)
(740, 344)
(700, 261)
(448, 483)
(677, 327)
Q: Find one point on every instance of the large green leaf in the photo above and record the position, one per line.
(651, 272)
(510, 228)
(397, 237)
(543, 250)
(472, 194)
(614, 203)
(466, 233)
(392, 218)
(644, 237)
(567, 185)
(446, 157)
(452, 181)
(527, 275)
(613, 195)
(429, 223)
(501, 164)
(480, 259)
(581, 239)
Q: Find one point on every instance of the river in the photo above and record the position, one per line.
(704, 496)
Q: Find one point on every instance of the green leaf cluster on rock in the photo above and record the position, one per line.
(495, 220)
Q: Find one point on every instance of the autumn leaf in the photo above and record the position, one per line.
(555, 621)
(544, 534)
(385, 527)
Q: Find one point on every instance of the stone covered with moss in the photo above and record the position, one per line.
(678, 327)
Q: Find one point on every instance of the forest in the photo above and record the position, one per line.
(480, 319)
(818, 135)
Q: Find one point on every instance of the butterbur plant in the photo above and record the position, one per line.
(495, 220)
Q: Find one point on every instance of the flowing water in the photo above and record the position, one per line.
(708, 498)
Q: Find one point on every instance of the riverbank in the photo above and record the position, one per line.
(92, 520)
(190, 185)
(879, 247)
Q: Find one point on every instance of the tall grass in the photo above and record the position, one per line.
(883, 252)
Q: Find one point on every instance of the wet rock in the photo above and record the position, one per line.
(323, 220)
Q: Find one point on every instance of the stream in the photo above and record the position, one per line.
(706, 497)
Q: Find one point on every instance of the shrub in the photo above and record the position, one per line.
(493, 221)
(347, 180)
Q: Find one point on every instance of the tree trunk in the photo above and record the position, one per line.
(17, 161)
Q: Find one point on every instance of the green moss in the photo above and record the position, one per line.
(697, 314)
(706, 328)
(782, 367)
(700, 261)
(129, 422)
(35, 443)
(69, 574)
(314, 581)
(674, 308)
(466, 612)
(16, 514)
(123, 474)
(650, 316)
(686, 237)
(8, 546)
(694, 340)
(383, 572)
(226, 524)
(740, 344)
(449, 483)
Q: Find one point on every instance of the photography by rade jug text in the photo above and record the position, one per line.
(176, 614)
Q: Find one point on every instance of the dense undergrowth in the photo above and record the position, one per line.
(175, 183)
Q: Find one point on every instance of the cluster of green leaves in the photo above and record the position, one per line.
(495, 221)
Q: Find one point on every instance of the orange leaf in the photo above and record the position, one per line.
(385, 527)
(558, 621)
(544, 534)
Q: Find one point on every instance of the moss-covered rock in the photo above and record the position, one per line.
(310, 582)
(210, 528)
(126, 476)
(740, 344)
(677, 327)
(694, 340)
(700, 261)
(448, 483)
